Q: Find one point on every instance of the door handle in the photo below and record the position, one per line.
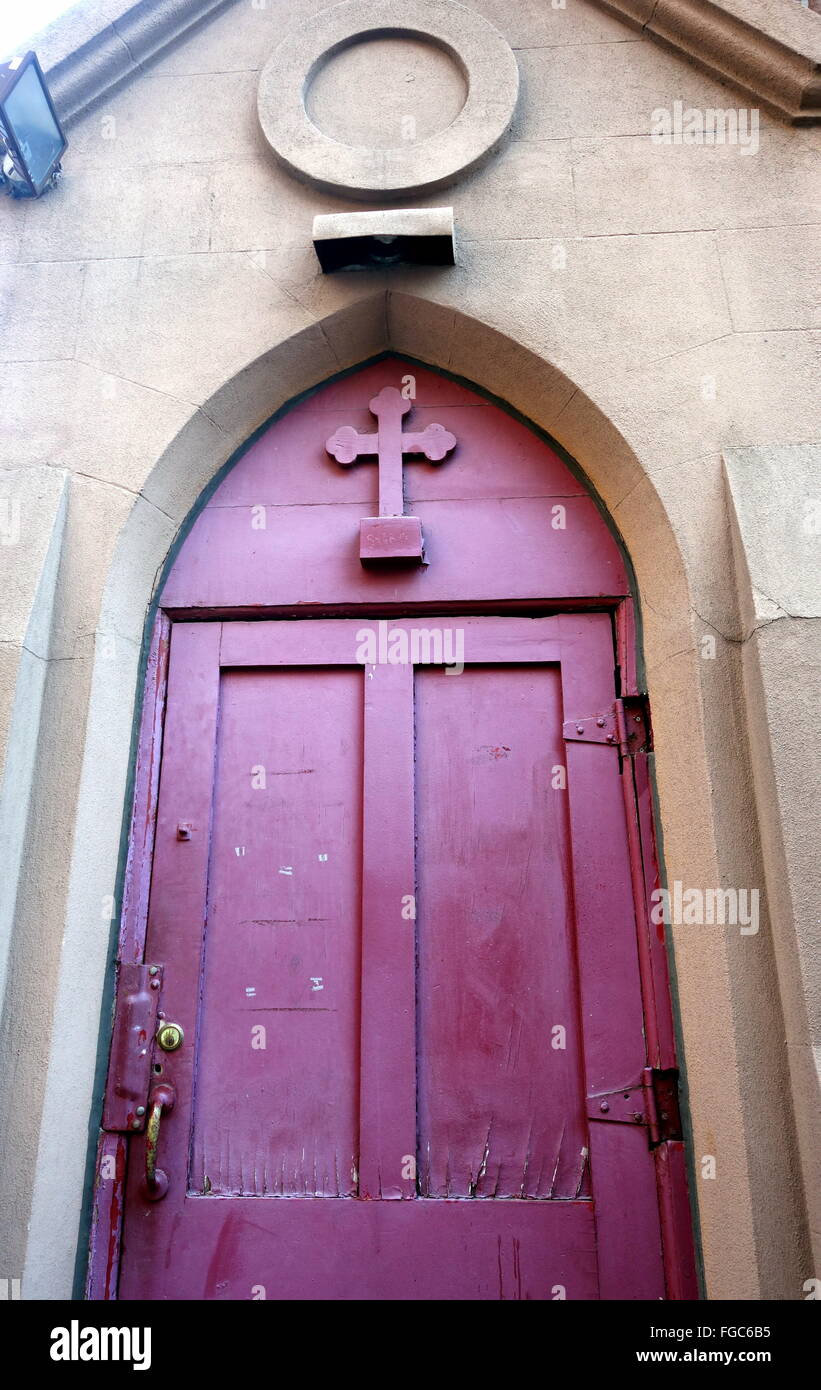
(156, 1181)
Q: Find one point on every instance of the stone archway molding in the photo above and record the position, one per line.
(61, 1157)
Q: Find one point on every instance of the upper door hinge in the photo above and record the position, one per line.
(625, 725)
(129, 1067)
(651, 1101)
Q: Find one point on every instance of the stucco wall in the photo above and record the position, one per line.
(648, 305)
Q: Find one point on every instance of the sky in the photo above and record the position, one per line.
(20, 20)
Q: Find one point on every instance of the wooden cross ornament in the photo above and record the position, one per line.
(391, 535)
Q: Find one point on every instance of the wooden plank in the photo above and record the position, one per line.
(605, 914)
(106, 1218)
(677, 1221)
(334, 641)
(628, 1234)
(615, 1049)
(498, 549)
(659, 993)
(388, 1069)
(351, 1251)
(177, 911)
(137, 879)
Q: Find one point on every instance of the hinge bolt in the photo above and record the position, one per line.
(609, 738)
(135, 1124)
(140, 1109)
(153, 969)
(155, 984)
(600, 723)
(604, 1106)
(579, 728)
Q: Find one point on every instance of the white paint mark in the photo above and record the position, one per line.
(239, 850)
(287, 869)
(250, 990)
(323, 858)
(316, 983)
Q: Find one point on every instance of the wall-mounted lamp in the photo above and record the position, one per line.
(30, 132)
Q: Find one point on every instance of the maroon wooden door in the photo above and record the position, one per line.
(397, 892)
(398, 983)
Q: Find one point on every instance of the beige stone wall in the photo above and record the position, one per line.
(649, 306)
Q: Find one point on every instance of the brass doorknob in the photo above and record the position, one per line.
(170, 1036)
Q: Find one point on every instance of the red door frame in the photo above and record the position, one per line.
(670, 1157)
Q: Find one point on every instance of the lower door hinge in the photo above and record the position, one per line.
(132, 1043)
(651, 1101)
(625, 725)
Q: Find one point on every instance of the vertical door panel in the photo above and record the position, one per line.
(277, 1096)
(615, 1046)
(388, 1089)
(500, 1093)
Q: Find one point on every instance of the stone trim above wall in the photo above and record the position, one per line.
(87, 53)
(769, 48)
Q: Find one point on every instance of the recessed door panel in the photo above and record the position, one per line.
(276, 1100)
(501, 1100)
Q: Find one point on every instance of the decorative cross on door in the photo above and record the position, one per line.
(391, 535)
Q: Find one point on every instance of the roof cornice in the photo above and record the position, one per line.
(769, 48)
(89, 51)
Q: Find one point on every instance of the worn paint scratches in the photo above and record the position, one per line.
(495, 751)
(510, 1281)
(474, 1183)
(583, 1164)
(526, 1165)
(556, 1165)
(279, 921)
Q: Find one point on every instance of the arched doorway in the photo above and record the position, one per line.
(398, 887)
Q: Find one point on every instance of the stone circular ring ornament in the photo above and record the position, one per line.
(485, 60)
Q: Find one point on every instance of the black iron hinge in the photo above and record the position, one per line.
(625, 725)
(651, 1101)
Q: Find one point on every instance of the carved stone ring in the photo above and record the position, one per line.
(484, 57)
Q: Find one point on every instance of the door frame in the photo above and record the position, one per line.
(676, 1207)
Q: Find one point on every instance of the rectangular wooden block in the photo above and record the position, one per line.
(390, 538)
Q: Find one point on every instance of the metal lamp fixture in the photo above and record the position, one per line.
(32, 138)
